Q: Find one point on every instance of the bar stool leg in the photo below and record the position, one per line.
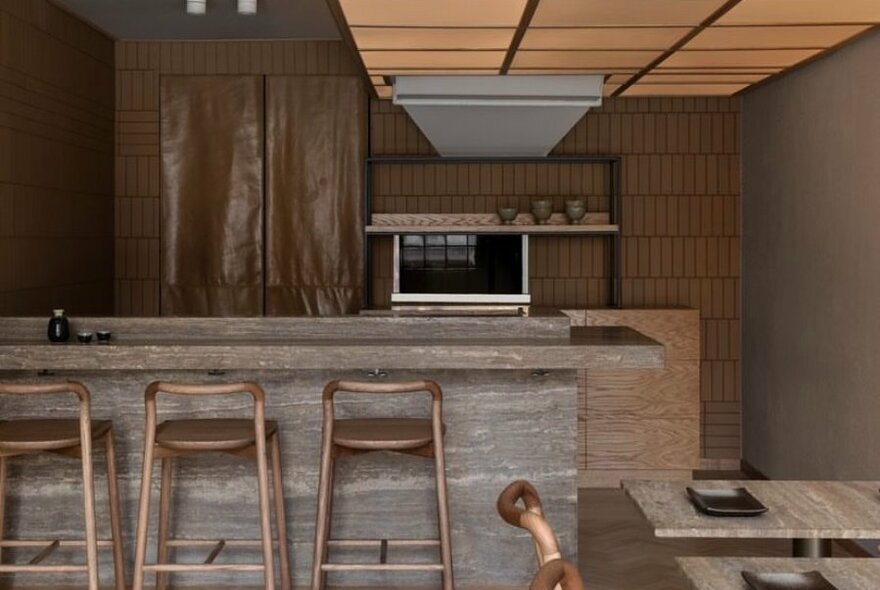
(443, 514)
(329, 525)
(322, 530)
(265, 520)
(164, 516)
(115, 513)
(140, 552)
(280, 513)
(2, 502)
(89, 504)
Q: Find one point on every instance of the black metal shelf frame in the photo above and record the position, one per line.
(614, 212)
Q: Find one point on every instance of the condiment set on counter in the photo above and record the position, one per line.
(59, 330)
(542, 210)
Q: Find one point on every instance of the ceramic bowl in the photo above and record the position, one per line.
(508, 214)
(104, 335)
(575, 212)
(84, 337)
(542, 214)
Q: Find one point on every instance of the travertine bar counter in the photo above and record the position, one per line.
(510, 408)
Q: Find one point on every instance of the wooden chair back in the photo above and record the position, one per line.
(391, 388)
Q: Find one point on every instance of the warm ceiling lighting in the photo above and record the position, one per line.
(446, 60)
(608, 60)
(196, 6)
(409, 38)
(786, 37)
(609, 13)
(430, 13)
(802, 12)
(603, 38)
(248, 7)
(742, 58)
(684, 89)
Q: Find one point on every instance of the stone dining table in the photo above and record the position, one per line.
(725, 573)
(811, 513)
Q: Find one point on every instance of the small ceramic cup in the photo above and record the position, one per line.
(103, 336)
(508, 214)
(84, 337)
(575, 210)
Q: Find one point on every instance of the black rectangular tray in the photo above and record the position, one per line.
(799, 581)
(726, 502)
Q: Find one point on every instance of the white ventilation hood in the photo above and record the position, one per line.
(517, 116)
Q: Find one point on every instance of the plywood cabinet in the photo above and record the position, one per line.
(642, 423)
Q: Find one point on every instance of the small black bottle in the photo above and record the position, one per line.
(59, 328)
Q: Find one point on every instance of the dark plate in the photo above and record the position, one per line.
(726, 502)
(802, 581)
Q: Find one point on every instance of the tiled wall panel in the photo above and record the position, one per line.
(139, 65)
(56, 162)
(681, 226)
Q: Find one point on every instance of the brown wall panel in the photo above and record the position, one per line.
(681, 222)
(315, 148)
(56, 162)
(139, 67)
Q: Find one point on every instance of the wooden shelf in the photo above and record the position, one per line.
(485, 223)
(549, 229)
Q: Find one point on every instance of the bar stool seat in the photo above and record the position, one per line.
(46, 435)
(209, 434)
(392, 434)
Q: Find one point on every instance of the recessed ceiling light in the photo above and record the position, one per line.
(196, 6)
(247, 6)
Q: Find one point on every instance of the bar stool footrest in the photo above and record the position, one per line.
(382, 567)
(203, 567)
(44, 542)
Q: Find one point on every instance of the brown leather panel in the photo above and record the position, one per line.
(212, 195)
(382, 433)
(209, 434)
(315, 147)
(50, 434)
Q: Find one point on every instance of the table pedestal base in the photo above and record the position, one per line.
(814, 548)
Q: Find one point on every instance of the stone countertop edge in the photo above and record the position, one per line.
(586, 348)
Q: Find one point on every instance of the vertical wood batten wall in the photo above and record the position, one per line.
(56, 162)
(139, 66)
(681, 222)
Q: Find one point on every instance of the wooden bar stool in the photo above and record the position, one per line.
(70, 438)
(553, 571)
(175, 438)
(421, 437)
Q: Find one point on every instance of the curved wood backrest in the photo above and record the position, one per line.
(385, 387)
(530, 518)
(382, 387)
(207, 389)
(74, 387)
(557, 573)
